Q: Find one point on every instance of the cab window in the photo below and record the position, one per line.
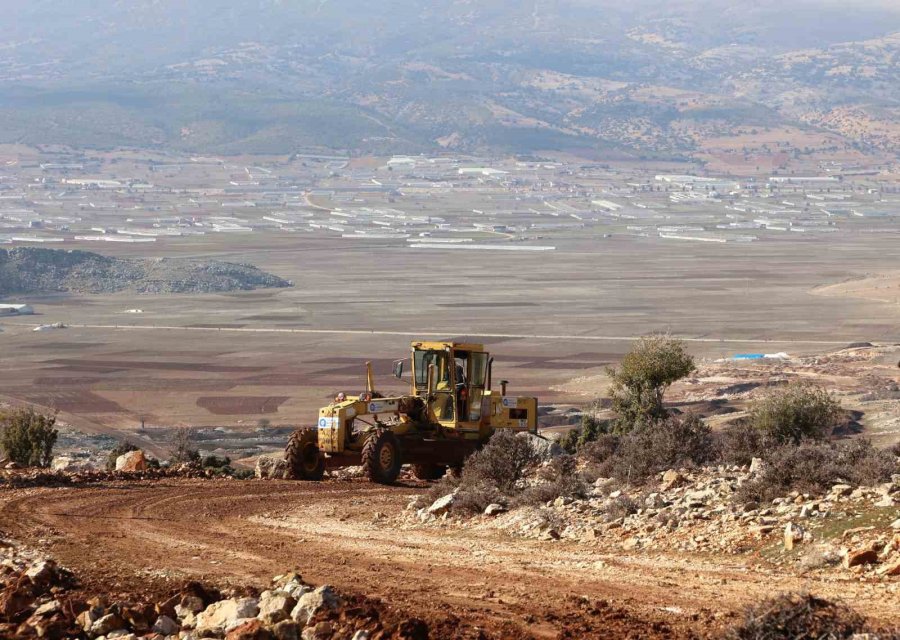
(424, 359)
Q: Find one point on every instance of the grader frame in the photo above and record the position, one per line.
(450, 411)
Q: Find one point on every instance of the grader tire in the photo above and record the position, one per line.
(429, 471)
(381, 457)
(304, 460)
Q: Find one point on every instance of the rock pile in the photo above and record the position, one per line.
(16, 477)
(270, 467)
(38, 599)
(694, 511)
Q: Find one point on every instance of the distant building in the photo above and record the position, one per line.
(16, 310)
(802, 179)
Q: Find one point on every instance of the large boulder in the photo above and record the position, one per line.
(322, 599)
(857, 557)
(890, 568)
(442, 505)
(220, 616)
(275, 606)
(670, 480)
(106, 624)
(132, 461)
(544, 449)
(166, 626)
(42, 574)
(286, 630)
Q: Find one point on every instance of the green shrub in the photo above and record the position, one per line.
(640, 381)
(215, 462)
(569, 441)
(795, 412)
(28, 437)
(592, 428)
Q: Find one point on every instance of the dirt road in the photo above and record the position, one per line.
(131, 535)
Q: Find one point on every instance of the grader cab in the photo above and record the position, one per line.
(450, 411)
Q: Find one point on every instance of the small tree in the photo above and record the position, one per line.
(184, 450)
(28, 437)
(641, 380)
(795, 412)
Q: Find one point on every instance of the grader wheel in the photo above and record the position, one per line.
(381, 457)
(304, 460)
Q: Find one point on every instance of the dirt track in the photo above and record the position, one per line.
(141, 535)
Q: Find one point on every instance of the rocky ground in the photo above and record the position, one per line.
(846, 534)
(40, 599)
(864, 377)
(28, 270)
(185, 552)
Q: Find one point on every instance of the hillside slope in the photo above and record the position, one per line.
(36, 270)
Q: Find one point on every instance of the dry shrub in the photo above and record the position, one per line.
(559, 478)
(474, 497)
(795, 412)
(813, 467)
(650, 449)
(490, 475)
(620, 507)
(184, 449)
(600, 450)
(739, 443)
(798, 617)
(502, 462)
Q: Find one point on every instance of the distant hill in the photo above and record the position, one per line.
(644, 77)
(36, 270)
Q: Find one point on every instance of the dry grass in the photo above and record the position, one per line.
(798, 617)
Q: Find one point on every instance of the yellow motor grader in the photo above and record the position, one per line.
(450, 412)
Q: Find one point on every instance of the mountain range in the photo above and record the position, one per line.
(490, 76)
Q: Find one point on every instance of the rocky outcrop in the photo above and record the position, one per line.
(39, 270)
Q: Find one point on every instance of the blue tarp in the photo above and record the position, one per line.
(748, 356)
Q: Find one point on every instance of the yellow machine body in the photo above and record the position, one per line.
(458, 404)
